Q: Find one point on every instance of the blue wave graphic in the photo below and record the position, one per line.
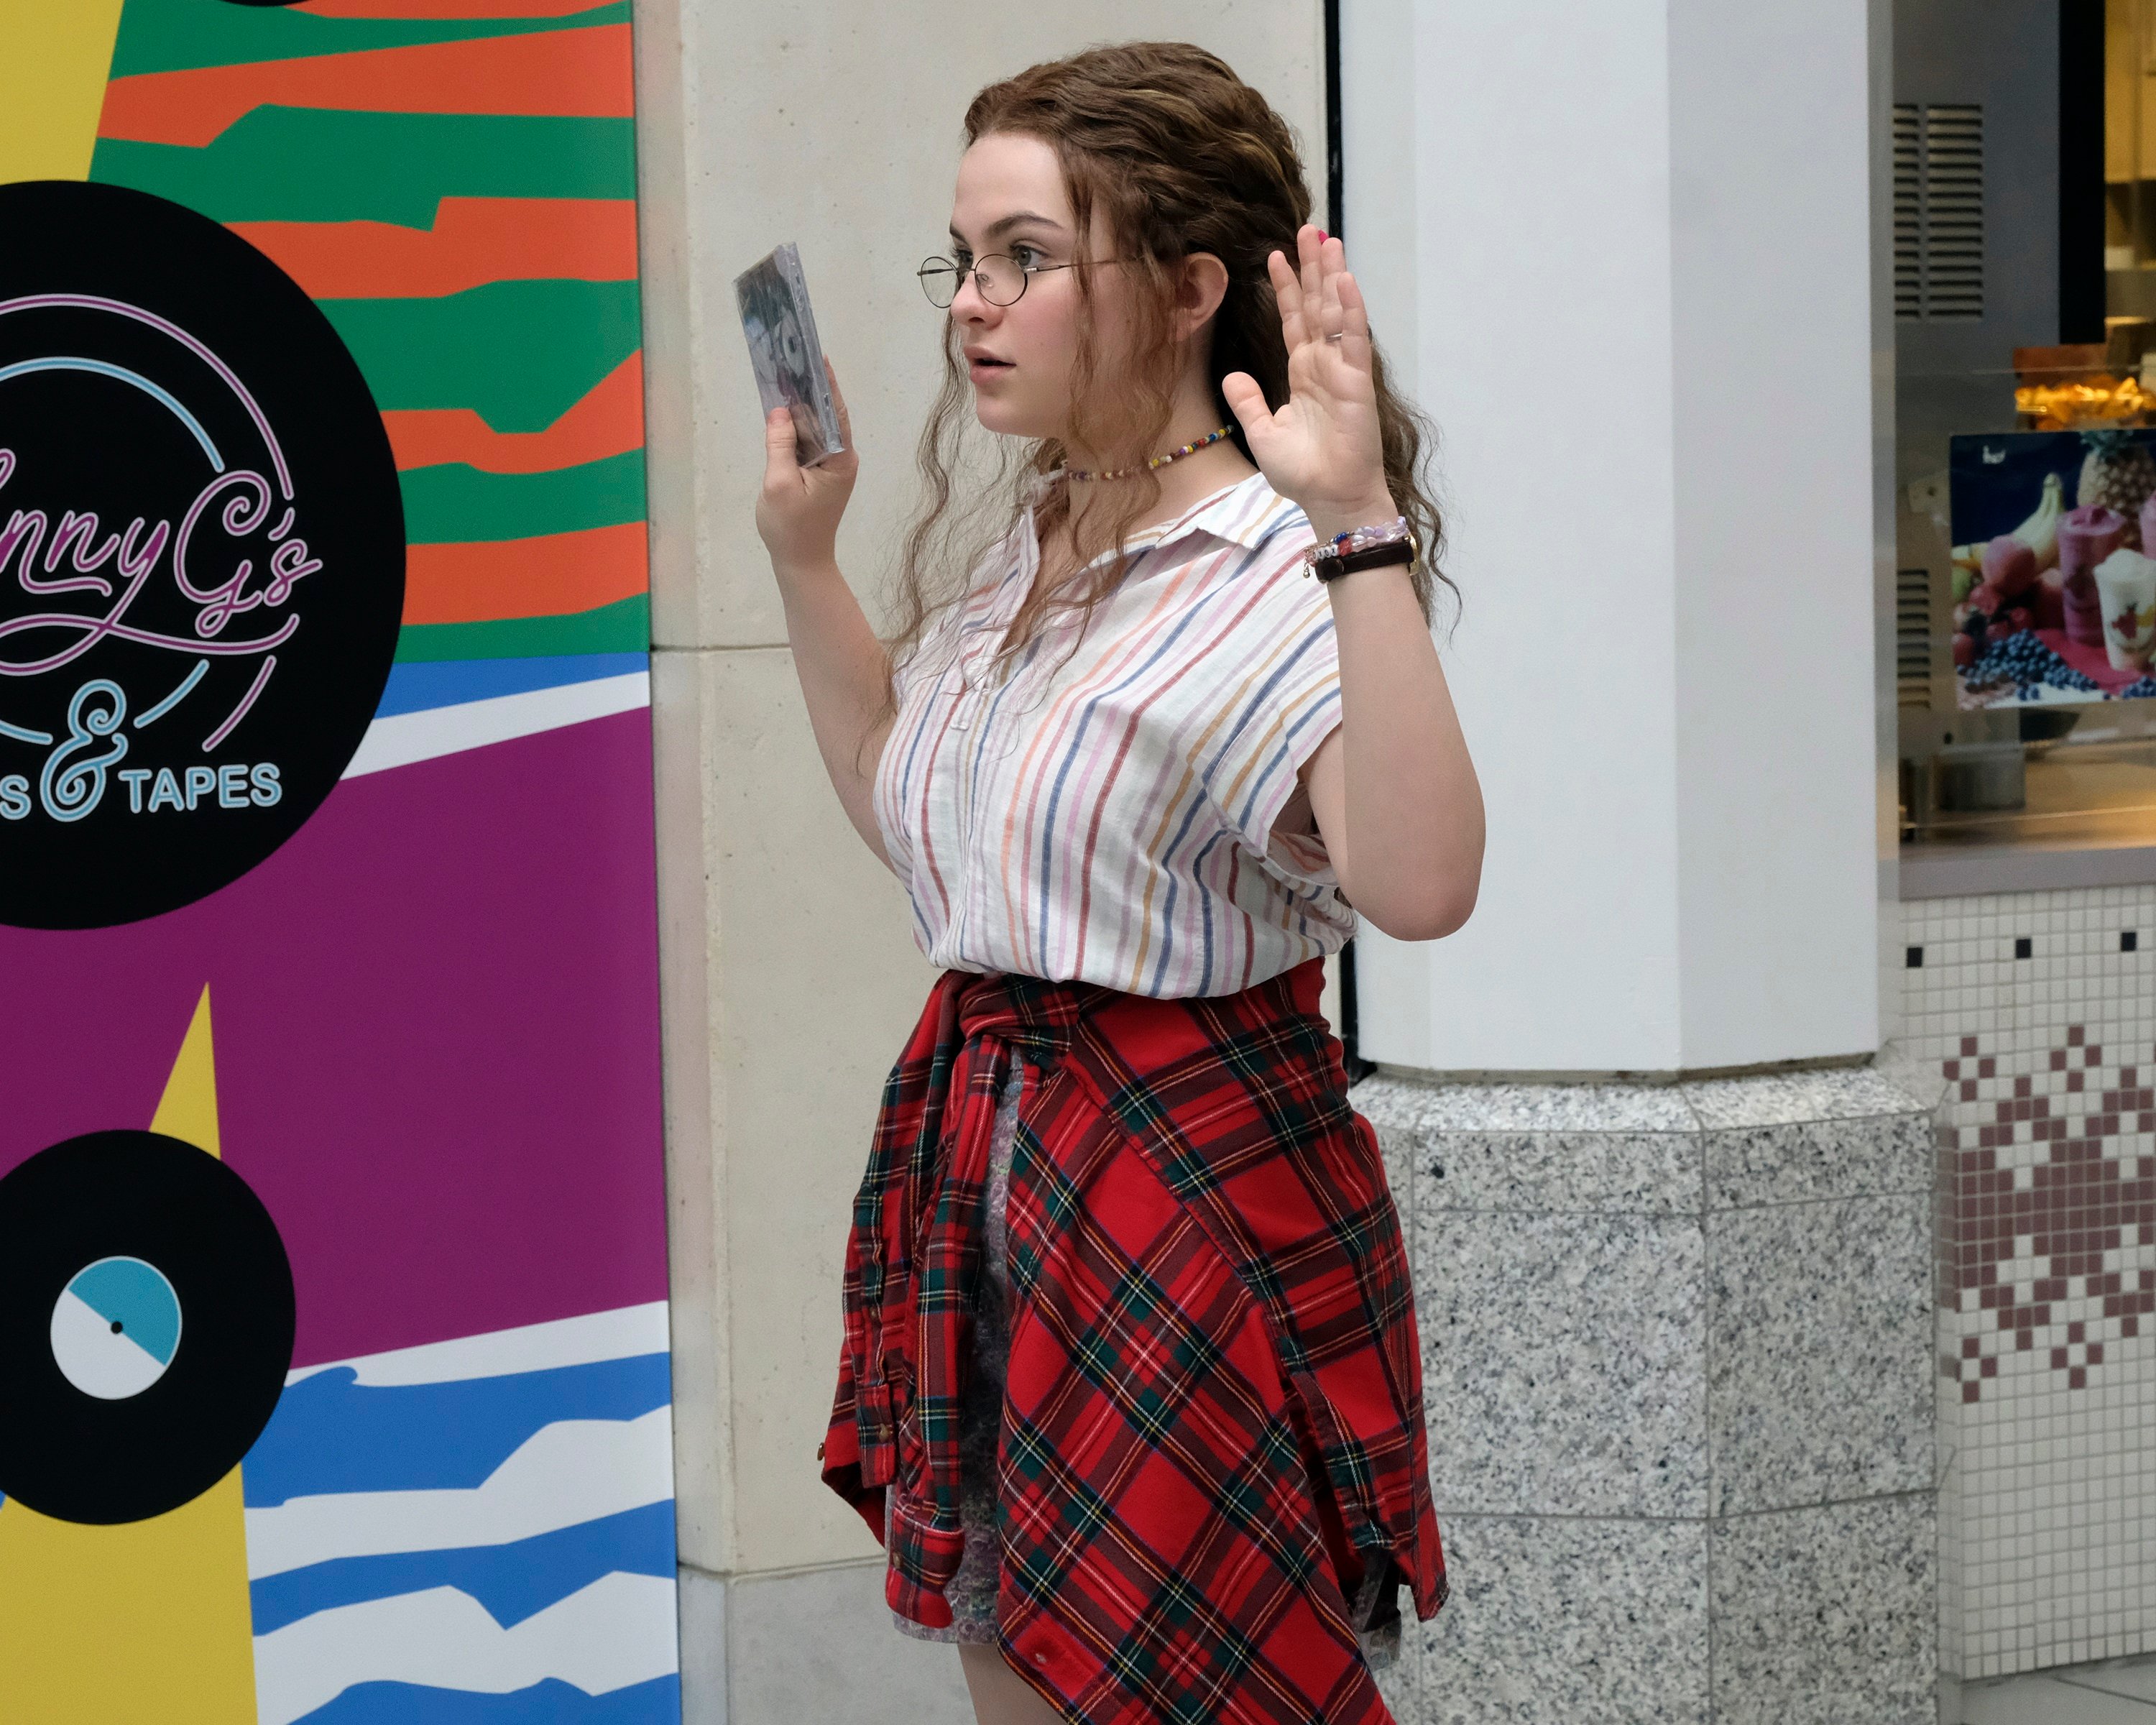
(331, 1434)
(414, 688)
(552, 1702)
(513, 1581)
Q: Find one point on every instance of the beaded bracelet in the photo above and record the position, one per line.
(1357, 539)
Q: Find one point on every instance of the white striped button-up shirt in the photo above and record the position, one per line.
(1110, 819)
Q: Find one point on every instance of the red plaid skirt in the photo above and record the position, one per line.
(1213, 1424)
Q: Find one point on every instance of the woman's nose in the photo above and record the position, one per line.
(969, 305)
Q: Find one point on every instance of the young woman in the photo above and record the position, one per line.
(1131, 1389)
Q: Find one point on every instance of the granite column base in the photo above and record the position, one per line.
(1676, 1356)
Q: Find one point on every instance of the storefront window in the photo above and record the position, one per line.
(2025, 281)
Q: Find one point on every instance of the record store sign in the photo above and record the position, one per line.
(202, 556)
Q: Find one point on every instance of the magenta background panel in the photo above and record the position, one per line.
(436, 1018)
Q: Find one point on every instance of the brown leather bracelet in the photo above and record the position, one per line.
(1332, 568)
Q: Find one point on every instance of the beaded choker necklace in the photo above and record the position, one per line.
(1110, 473)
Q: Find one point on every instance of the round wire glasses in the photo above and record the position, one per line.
(1000, 278)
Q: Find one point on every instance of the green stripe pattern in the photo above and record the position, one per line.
(170, 37)
(520, 354)
(328, 165)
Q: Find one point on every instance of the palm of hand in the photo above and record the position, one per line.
(1322, 448)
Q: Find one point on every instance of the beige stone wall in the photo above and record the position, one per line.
(788, 972)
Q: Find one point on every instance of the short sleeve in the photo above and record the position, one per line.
(1282, 700)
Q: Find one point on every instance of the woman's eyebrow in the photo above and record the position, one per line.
(1007, 223)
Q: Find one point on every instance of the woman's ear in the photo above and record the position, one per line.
(1199, 288)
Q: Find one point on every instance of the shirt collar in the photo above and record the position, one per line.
(1246, 513)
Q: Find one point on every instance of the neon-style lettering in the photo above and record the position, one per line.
(68, 788)
(80, 526)
(25, 528)
(287, 564)
(133, 563)
(241, 516)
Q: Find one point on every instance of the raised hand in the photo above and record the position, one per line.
(797, 508)
(1321, 448)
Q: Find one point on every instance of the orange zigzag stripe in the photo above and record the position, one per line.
(525, 577)
(474, 241)
(581, 73)
(608, 421)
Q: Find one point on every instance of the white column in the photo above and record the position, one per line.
(1624, 253)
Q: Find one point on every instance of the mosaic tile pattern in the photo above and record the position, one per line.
(2038, 1011)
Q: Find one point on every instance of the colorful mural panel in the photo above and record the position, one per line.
(415, 1020)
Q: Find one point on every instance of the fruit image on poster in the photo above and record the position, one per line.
(334, 1372)
(2054, 597)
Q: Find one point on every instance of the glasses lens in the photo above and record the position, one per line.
(1000, 279)
(939, 280)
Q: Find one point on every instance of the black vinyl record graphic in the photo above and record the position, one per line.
(202, 556)
(146, 1324)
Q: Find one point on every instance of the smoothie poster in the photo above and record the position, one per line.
(2054, 567)
(334, 1376)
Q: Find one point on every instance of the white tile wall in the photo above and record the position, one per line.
(2047, 1285)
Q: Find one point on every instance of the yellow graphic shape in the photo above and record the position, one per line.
(189, 1108)
(54, 57)
(146, 1623)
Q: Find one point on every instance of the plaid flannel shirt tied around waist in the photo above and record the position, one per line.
(1212, 1432)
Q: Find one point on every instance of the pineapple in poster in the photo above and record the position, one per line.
(2054, 594)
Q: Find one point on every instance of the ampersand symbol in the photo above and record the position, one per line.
(70, 789)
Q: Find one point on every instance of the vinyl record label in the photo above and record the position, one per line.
(146, 1324)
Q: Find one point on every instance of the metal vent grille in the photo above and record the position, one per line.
(1912, 637)
(1908, 213)
(1938, 211)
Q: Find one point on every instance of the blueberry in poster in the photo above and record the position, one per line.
(2054, 582)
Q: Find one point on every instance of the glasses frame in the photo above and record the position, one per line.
(956, 269)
